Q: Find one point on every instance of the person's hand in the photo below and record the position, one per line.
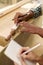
(30, 56)
(22, 61)
(17, 17)
(26, 27)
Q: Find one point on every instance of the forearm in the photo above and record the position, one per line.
(33, 13)
(34, 29)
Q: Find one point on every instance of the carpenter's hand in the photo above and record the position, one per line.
(30, 56)
(26, 27)
(17, 18)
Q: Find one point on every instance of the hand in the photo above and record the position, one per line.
(26, 27)
(23, 17)
(30, 56)
(22, 61)
(16, 17)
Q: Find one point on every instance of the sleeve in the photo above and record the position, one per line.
(37, 11)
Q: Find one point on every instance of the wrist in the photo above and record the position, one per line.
(28, 15)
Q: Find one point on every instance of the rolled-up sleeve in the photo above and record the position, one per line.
(37, 11)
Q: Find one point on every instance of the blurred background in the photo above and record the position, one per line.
(4, 3)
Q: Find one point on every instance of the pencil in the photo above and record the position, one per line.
(29, 50)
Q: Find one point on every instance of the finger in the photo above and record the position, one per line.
(30, 56)
(22, 61)
(18, 14)
(16, 20)
(23, 49)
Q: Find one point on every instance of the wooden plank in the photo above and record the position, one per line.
(12, 7)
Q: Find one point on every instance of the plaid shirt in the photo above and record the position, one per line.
(37, 11)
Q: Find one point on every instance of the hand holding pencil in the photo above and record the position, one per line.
(28, 54)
